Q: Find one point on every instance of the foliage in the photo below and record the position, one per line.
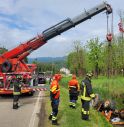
(3, 50)
(102, 58)
(53, 67)
(95, 54)
(75, 59)
(112, 88)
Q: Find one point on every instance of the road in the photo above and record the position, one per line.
(30, 113)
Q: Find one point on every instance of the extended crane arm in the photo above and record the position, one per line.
(69, 23)
(53, 31)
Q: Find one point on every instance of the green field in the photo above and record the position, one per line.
(107, 88)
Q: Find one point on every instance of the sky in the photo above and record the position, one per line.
(21, 20)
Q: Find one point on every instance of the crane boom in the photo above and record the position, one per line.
(57, 29)
(69, 23)
(24, 49)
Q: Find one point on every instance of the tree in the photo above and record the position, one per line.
(76, 59)
(95, 54)
(3, 50)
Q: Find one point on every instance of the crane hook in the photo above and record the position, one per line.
(109, 35)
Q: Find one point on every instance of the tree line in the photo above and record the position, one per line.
(53, 67)
(101, 58)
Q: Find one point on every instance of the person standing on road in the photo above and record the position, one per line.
(74, 88)
(54, 96)
(86, 95)
(17, 90)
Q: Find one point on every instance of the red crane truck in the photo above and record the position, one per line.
(12, 62)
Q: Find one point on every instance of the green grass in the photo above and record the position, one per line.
(112, 89)
(107, 88)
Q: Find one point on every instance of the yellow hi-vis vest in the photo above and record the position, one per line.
(83, 97)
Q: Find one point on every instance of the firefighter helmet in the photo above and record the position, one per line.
(90, 74)
(57, 77)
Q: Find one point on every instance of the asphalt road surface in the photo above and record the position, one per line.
(30, 113)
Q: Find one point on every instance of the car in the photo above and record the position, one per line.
(41, 78)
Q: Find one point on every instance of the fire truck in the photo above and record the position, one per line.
(12, 62)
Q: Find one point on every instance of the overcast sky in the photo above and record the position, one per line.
(21, 20)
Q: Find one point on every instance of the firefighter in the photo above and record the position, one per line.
(73, 86)
(86, 95)
(54, 96)
(16, 91)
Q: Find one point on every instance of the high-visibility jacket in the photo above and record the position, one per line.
(54, 89)
(17, 87)
(86, 90)
(73, 85)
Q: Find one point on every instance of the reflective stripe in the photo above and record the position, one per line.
(86, 98)
(71, 103)
(72, 86)
(83, 96)
(16, 93)
(82, 109)
(53, 89)
(85, 112)
(92, 95)
(88, 112)
(54, 118)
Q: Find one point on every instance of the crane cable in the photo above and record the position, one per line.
(109, 38)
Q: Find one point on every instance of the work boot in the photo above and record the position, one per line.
(15, 106)
(50, 117)
(54, 122)
(85, 117)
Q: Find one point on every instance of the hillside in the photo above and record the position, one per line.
(47, 59)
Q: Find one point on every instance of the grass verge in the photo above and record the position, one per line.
(107, 88)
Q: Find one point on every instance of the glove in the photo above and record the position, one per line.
(94, 97)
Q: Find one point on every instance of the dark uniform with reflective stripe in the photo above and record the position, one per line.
(16, 92)
(86, 96)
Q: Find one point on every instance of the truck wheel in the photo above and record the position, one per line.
(6, 66)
